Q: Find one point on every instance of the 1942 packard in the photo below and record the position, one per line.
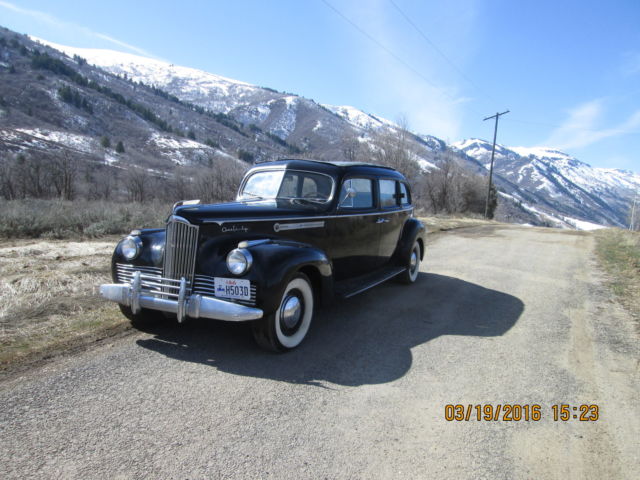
(299, 234)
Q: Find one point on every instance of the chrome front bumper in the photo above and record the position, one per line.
(195, 306)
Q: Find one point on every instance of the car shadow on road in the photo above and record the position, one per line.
(359, 341)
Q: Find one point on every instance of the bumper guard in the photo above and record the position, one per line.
(195, 306)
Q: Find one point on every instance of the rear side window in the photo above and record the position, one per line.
(388, 193)
(362, 196)
(405, 197)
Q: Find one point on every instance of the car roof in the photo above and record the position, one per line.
(333, 168)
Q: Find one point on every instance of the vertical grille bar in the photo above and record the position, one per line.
(180, 251)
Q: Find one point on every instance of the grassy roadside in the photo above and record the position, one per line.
(445, 223)
(618, 252)
(57, 219)
(47, 298)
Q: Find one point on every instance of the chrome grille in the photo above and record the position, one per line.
(125, 272)
(151, 281)
(205, 285)
(180, 251)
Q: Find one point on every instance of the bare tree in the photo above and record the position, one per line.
(351, 147)
(136, 182)
(63, 173)
(452, 189)
(394, 149)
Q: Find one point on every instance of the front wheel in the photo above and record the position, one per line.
(287, 327)
(413, 265)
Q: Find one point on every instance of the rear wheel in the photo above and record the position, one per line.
(287, 327)
(410, 275)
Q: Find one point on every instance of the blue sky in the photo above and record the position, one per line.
(569, 71)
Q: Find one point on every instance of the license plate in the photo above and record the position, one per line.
(233, 288)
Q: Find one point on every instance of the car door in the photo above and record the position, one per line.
(393, 214)
(354, 231)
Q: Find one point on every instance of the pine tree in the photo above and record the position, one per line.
(105, 142)
(120, 147)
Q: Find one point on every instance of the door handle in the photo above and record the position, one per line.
(382, 220)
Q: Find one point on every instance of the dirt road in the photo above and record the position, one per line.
(500, 315)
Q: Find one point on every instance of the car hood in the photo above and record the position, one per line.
(220, 212)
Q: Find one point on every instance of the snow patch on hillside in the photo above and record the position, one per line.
(191, 82)
(163, 141)
(582, 225)
(358, 118)
(40, 138)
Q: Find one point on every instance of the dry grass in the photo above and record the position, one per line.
(56, 219)
(47, 296)
(443, 223)
(619, 254)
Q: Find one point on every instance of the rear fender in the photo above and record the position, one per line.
(413, 230)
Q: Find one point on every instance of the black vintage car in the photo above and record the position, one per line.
(300, 233)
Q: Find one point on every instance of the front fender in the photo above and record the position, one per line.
(152, 253)
(275, 263)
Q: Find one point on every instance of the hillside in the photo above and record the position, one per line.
(557, 187)
(61, 101)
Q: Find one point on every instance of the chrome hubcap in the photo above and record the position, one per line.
(291, 311)
(414, 261)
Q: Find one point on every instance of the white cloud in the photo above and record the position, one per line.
(581, 128)
(405, 74)
(56, 22)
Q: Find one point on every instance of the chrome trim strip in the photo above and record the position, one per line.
(297, 226)
(319, 217)
(253, 243)
(377, 282)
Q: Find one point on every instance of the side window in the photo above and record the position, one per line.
(362, 196)
(388, 193)
(405, 197)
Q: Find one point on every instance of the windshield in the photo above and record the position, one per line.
(292, 185)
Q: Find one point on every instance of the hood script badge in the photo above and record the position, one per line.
(235, 228)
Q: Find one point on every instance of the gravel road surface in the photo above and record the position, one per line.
(499, 315)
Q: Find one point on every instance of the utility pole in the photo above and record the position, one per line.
(493, 152)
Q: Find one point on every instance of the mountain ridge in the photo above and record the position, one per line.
(232, 119)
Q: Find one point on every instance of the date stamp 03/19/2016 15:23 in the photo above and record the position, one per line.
(520, 412)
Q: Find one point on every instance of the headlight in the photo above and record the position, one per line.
(239, 261)
(131, 247)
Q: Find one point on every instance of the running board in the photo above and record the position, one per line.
(361, 284)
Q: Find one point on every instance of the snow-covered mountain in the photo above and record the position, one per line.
(231, 119)
(556, 187)
(290, 117)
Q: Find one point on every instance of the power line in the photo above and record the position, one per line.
(442, 54)
(387, 50)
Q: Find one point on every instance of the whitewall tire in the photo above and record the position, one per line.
(410, 275)
(288, 326)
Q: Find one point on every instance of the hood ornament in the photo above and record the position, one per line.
(182, 203)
